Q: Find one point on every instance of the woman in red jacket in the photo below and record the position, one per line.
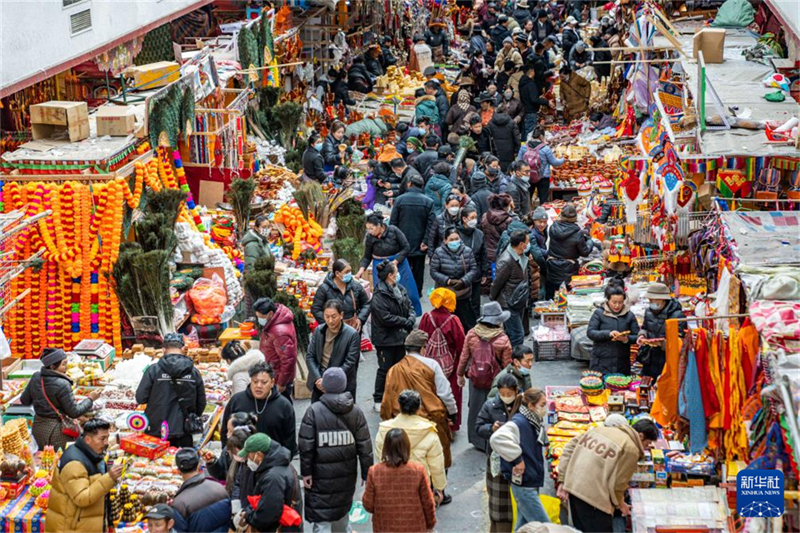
(278, 341)
(442, 318)
(398, 493)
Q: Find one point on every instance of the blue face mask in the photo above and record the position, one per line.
(528, 249)
(262, 321)
(397, 278)
(318, 147)
(347, 278)
(524, 371)
(454, 245)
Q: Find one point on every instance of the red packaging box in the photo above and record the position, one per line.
(144, 446)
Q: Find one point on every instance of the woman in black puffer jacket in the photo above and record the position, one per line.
(453, 267)
(392, 319)
(613, 329)
(331, 155)
(333, 439)
(50, 393)
(340, 285)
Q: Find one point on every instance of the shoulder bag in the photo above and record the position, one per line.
(69, 427)
(192, 424)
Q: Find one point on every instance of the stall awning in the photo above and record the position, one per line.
(765, 237)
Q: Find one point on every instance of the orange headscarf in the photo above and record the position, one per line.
(442, 297)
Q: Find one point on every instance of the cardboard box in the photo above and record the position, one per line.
(116, 121)
(55, 119)
(154, 75)
(10, 365)
(712, 42)
(144, 445)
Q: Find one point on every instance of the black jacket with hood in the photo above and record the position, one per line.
(334, 438)
(505, 138)
(568, 242)
(354, 300)
(393, 315)
(162, 396)
(473, 239)
(276, 484)
(653, 358)
(275, 417)
(530, 96)
(59, 391)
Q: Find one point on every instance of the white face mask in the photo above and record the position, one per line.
(453, 211)
(541, 412)
(508, 400)
(252, 465)
(472, 224)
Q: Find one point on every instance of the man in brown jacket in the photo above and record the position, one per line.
(596, 468)
(81, 483)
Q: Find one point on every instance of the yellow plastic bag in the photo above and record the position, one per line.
(553, 508)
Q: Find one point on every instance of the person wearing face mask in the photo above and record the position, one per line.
(493, 224)
(313, 163)
(511, 285)
(437, 189)
(333, 344)
(520, 443)
(392, 318)
(480, 193)
(472, 237)
(276, 485)
(593, 484)
(256, 242)
(453, 266)
(459, 111)
(331, 155)
(278, 342)
(200, 501)
(334, 440)
(651, 341)
(275, 414)
(511, 106)
(81, 483)
(478, 135)
(426, 159)
(219, 467)
(494, 414)
(172, 389)
(413, 148)
(613, 329)
(50, 393)
(448, 218)
(519, 369)
(339, 285)
(497, 179)
(519, 187)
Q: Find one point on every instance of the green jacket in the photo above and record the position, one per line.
(437, 189)
(255, 247)
(523, 382)
(425, 106)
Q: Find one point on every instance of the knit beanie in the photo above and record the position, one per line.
(334, 380)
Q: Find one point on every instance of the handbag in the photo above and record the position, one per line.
(192, 424)
(467, 290)
(69, 427)
(353, 321)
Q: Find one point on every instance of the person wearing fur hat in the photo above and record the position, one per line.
(50, 393)
(568, 243)
(334, 440)
(437, 39)
(424, 375)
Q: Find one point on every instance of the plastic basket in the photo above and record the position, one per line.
(551, 350)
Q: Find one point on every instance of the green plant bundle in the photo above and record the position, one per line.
(240, 196)
(248, 49)
(311, 199)
(288, 115)
(349, 249)
(170, 115)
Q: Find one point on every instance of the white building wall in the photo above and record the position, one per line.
(35, 35)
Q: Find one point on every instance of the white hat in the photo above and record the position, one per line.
(572, 20)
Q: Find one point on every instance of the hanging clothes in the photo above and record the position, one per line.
(707, 387)
(665, 405)
(691, 409)
(735, 436)
(749, 346)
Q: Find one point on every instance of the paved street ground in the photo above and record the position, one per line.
(466, 478)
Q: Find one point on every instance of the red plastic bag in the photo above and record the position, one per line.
(209, 298)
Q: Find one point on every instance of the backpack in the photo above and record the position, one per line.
(483, 368)
(438, 350)
(533, 158)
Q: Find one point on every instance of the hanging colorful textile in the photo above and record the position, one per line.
(690, 408)
(665, 405)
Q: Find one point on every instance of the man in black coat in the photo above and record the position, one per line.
(522, 13)
(274, 411)
(387, 58)
(542, 28)
(472, 237)
(531, 99)
(372, 60)
(334, 439)
(172, 388)
(333, 344)
(505, 138)
(569, 36)
(480, 193)
(404, 173)
(568, 243)
(426, 159)
(433, 88)
(519, 188)
(413, 213)
(359, 78)
(499, 32)
(276, 485)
